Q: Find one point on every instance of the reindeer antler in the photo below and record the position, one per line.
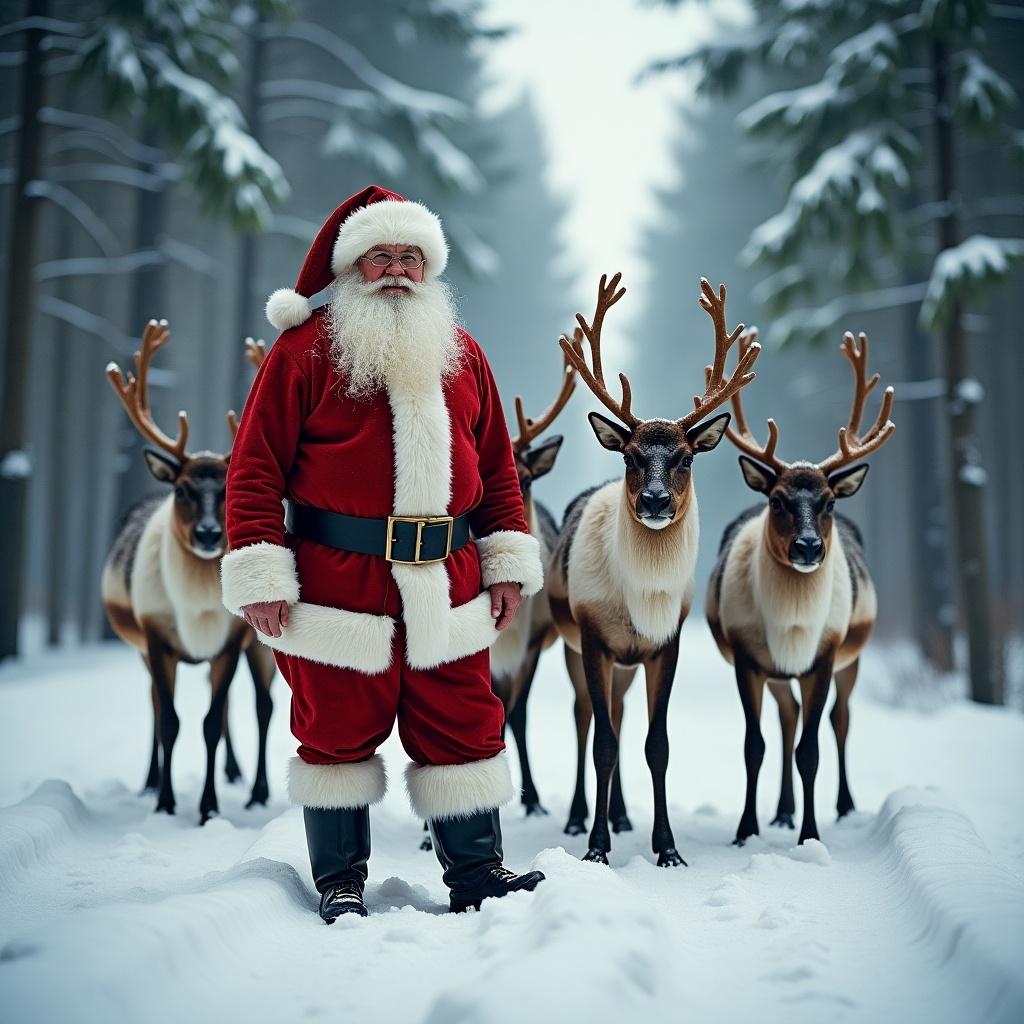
(717, 389)
(134, 393)
(529, 428)
(255, 352)
(739, 433)
(607, 296)
(851, 445)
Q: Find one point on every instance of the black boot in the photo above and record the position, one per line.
(469, 850)
(339, 847)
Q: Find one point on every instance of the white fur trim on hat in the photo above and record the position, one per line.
(287, 308)
(337, 785)
(391, 222)
(459, 790)
(258, 572)
(509, 556)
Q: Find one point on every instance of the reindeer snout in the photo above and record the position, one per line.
(806, 550)
(653, 503)
(208, 535)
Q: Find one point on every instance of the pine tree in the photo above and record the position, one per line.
(885, 91)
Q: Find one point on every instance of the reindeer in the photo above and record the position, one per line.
(517, 650)
(161, 585)
(621, 578)
(790, 594)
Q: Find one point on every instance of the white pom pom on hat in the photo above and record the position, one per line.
(371, 217)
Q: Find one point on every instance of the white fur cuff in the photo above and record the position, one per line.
(510, 556)
(337, 785)
(258, 572)
(459, 790)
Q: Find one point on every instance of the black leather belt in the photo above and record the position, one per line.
(412, 540)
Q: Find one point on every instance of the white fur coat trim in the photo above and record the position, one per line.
(258, 572)
(459, 790)
(510, 556)
(334, 636)
(337, 785)
(391, 222)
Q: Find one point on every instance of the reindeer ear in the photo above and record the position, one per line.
(613, 436)
(759, 478)
(847, 482)
(541, 459)
(163, 466)
(705, 436)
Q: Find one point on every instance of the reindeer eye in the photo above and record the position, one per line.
(629, 461)
(776, 504)
(686, 461)
(830, 507)
(179, 492)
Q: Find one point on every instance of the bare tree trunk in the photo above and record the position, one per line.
(927, 530)
(966, 476)
(14, 464)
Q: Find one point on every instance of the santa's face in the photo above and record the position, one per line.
(390, 328)
(397, 268)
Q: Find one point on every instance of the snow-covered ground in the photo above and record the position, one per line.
(912, 910)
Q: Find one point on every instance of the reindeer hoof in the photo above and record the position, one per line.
(427, 844)
(622, 824)
(595, 856)
(670, 859)
(783, 821)
(575, 827)
(536, 810)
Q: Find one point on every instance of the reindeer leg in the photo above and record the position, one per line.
(261, 668)
(622, 679)
(163, 665)
(597, 664)
(517, 720)
(789, 713)
(583, 712)
(222, 671)
(840, 718)
(660, 671)
(750, 682)
(153, 775)
(426, 843)
(231, 769)
(814, 692)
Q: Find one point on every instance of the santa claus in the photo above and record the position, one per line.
(402, 552)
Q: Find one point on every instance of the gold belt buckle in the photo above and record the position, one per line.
(421, 522)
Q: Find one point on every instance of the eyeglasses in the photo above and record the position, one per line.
(408, 260)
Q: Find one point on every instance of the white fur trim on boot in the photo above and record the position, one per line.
(459, 790)
(391, 222)
(337, 785)
(510, 556)
(258, 572)
(287, 308)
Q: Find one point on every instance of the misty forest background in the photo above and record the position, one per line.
(852, 165)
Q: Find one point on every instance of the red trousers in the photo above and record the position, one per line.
(446, 715)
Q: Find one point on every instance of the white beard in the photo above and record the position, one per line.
(379, 339)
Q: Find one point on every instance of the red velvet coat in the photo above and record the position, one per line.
(439, 448)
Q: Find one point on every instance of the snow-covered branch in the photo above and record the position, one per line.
(114, 174)
(420, 105)
(815, 323)
(967, 271)
(50, 25)
(128, 146)
(91, 265)
(93, 226)
(98, 327)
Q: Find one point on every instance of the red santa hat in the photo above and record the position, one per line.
(371, 217)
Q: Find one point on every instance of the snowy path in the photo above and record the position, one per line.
(914, 911)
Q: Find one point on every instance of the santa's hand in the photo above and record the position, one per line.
(266, 616)
(505, 598)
